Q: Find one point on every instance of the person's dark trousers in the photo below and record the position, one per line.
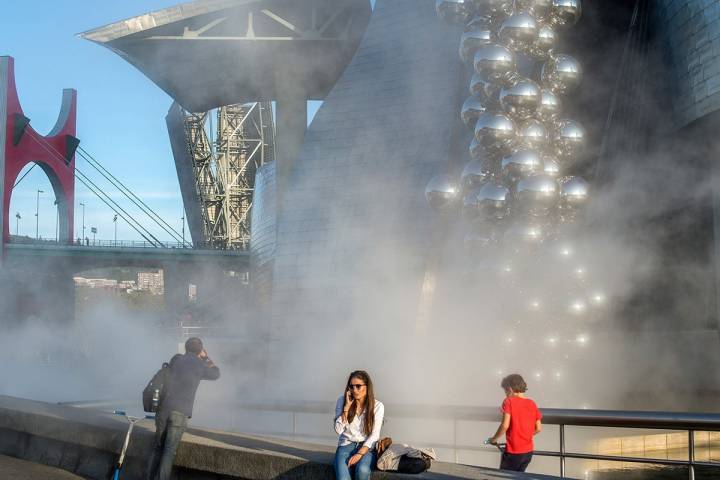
(516, 462)
(169, 429)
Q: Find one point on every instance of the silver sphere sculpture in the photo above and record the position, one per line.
(525, 233)
(544, 44)
(565, 13)
(569, 140)
(550, 106)
(519, 31)
(562, 74)
(494, 7)
(574, 192)
(471, 110)
(442, 193)
(487, 92)
(537, 194)
(454, 12)
(471, 40)
(495, 131)
(539, 8)
(521, 99)
(494, 63)
(520, 164)
(533, 135)
(493, 200)
(551, 166)
(474, 174)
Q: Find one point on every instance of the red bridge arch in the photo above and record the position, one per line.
(20, 145)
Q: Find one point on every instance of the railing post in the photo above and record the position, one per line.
(562, 450)
(691, 454)
(455, 442)
(294, 430)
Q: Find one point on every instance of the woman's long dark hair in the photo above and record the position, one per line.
(369, 401)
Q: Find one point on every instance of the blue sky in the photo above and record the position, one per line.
(121, 114)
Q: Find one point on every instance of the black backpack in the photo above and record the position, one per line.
(413, 464)
(153, 394)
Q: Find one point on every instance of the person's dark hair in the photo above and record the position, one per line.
(514, 381)
(369, 423)
(194, 345)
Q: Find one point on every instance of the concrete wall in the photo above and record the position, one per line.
(354, 225)
(88, 442)
(689, 32)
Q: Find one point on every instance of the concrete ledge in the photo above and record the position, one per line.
(87, 443)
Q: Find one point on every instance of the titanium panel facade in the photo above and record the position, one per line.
(354, 228)
(690, 34)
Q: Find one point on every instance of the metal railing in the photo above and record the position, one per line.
(689, 422)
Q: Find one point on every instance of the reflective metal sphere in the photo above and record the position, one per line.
(545, 42)
(489, 159)
(521, 99)
(495, 131)
(474, 174)
(454, 12)
(442, 192)
(537, 194)
(521, 164)
(574, 192)
(551, 166)
(539, 8)
(471, 110)
(569, 140)
(494, 62)
(519, 31)
(565, 13)
(533, 135)
(525, 232)
(487, 92)
(472, 40)
(493, 200)
(550, 106)
(493, 7)
(562, 74)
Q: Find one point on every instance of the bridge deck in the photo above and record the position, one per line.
(20, 254)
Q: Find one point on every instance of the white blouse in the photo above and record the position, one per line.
(353, 432)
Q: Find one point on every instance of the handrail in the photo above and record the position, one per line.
(690, 422)
(563, 417)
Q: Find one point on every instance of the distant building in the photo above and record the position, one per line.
(152, 282)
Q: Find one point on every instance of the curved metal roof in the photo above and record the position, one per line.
(209, 53)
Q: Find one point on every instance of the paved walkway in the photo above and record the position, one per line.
(15, 469)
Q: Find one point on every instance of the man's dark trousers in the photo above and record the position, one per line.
(516, 462)
(169, 429)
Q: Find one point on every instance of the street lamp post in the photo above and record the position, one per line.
(57, 221)
(37, 215)
(17, 224)
(183, 231)
(83, 222)
(115, 222)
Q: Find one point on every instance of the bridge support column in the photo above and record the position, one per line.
(177, 300)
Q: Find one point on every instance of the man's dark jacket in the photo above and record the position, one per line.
(186, 371)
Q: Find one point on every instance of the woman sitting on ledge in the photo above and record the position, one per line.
(358, 419)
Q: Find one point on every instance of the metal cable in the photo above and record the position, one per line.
(98, 192)
(130, 194)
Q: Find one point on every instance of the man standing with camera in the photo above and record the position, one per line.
(186, 372)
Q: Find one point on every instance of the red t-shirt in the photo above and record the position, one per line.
(523, 415)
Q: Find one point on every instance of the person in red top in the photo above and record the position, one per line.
(521, 421)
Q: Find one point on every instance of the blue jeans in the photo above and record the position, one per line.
(362, 468)
(169, 429)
